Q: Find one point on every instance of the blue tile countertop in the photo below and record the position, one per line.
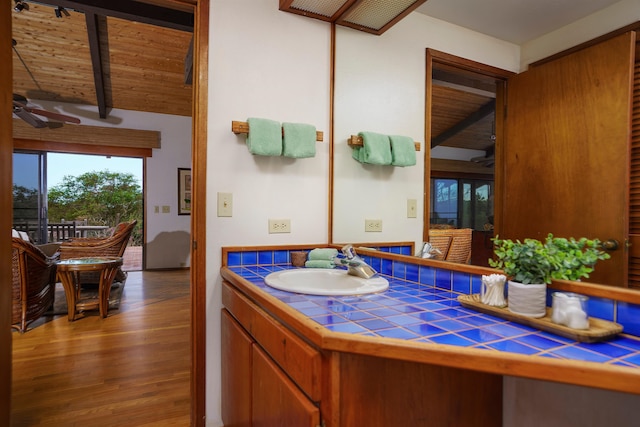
(425, 313)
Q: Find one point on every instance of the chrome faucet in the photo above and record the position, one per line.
(356, 266)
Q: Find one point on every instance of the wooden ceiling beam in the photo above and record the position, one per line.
(473, 118)
(93, 34)
(89, 135)
(130, 11)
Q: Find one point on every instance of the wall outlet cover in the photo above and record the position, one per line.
(279, 226)
(373, 225)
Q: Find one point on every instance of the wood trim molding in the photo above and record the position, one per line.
(89, 135)
(72, 148)
(6, 196)
(198, 215)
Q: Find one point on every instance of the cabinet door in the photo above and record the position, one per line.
(565, 157)
(277, 402)
(236, 373)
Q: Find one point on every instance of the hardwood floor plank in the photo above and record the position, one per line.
(130, 369)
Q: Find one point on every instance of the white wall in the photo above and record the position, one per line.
(609, 19)
(270, 64)
(380, 87)
(167, 236)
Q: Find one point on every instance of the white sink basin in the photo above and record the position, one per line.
(321, 281)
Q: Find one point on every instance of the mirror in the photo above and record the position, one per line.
(374, 93)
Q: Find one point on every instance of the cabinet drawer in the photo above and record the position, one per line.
(276, 400)
(297, 358)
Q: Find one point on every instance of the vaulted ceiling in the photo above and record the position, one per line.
(129, 55)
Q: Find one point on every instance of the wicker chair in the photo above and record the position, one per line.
(34, 275)
(113, 245)
(455, 244)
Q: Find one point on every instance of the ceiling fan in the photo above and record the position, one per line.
(30, 115)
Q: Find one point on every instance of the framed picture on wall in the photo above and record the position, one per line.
(184, 191)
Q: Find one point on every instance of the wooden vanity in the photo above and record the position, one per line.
(272, 376)
(282, 368)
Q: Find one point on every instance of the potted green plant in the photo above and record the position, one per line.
(574, 259)
(531, 265)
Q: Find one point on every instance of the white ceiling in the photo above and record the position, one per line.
(516, 21)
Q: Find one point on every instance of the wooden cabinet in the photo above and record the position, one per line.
(270, 377)
(236, 373)
(277, 401)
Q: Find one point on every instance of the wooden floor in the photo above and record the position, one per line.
(130, 369)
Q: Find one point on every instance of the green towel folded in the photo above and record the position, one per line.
(322, 254)
(319, 263)
(376, 149)
(403, 150)
(265, 137)
(299, 140)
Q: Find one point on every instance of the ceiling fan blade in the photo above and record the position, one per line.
(52, 115)
(19, 99)
(27, 117)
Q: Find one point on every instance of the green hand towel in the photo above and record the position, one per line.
(319, 263)
(403, 150)
(376, 149)
(357, 153)
(299, 140)
(322, 254)
(265, 137)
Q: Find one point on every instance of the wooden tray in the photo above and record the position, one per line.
(599, 330)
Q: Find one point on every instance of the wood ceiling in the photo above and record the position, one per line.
(137, 61)
(463, 110)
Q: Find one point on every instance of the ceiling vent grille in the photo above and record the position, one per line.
(372, 16)
(375, 15)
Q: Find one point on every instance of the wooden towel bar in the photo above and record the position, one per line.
(243, 127)
(356, 141)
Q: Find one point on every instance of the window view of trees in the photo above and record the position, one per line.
(100, 198)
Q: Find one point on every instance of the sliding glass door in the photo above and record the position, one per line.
(29, 195)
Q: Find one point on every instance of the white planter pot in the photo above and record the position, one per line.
(528, 300)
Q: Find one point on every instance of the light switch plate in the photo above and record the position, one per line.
(225, 204)
(412, 208)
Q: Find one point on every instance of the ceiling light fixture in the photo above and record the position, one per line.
(371, 16)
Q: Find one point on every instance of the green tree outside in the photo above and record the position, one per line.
(102, 198)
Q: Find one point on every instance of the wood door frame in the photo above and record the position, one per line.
(465, 66)
(6, 217)
(198, 219)
(198, 213)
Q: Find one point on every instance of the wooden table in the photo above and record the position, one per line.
(69, 272)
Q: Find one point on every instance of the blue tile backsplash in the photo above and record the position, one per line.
(421, 305)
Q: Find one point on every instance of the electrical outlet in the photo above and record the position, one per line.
(166, 209)
(279, 226)
(225, 204)
(412, 208)
(372, 225)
